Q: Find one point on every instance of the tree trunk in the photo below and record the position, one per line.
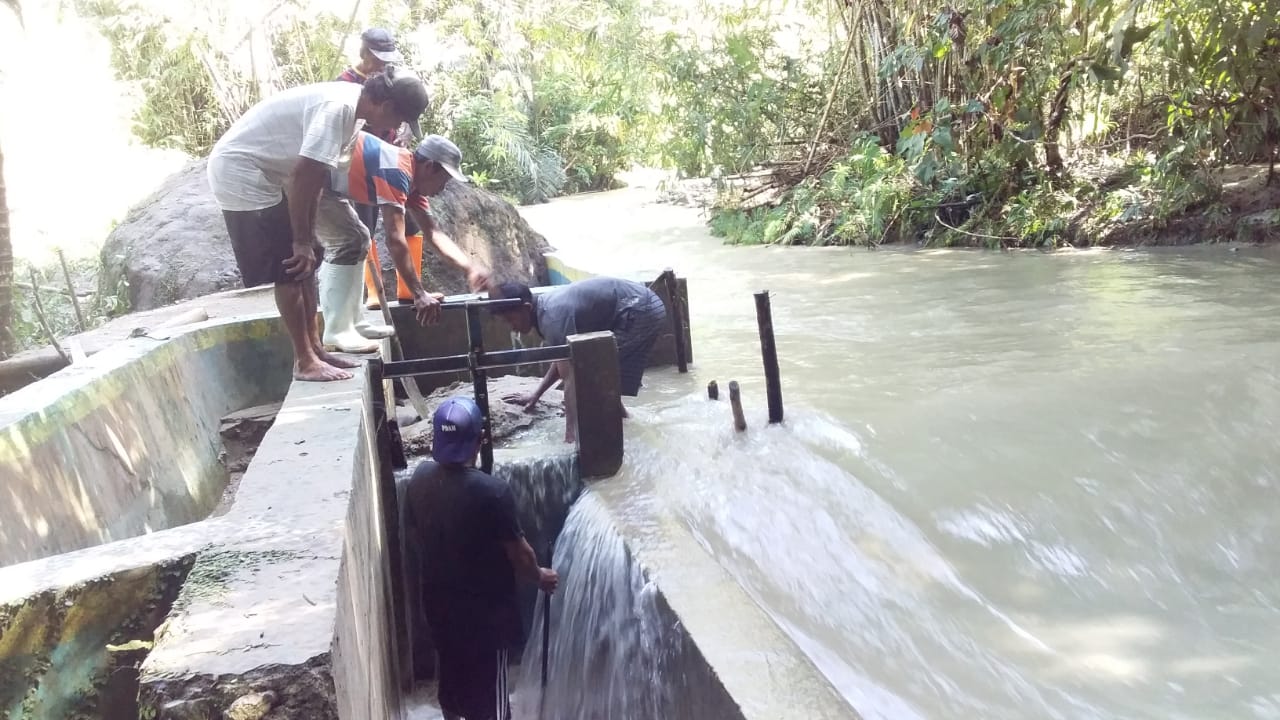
(1057, 115)
(6, 271)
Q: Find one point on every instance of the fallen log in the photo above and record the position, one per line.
(20, 371)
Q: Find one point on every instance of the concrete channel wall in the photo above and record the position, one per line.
(286, 606)
(126, 443)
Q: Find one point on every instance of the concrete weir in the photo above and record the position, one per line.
(120, 599)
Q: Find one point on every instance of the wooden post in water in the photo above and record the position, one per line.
(713, 391)
(769, 351)
(677, 318)
(735, 401)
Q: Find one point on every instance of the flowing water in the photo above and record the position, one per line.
(1009, 486)
(610, 655)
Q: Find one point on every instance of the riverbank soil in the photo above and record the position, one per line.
(1246, 211)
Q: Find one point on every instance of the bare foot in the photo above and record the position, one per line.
(336, 360)
(319, 372)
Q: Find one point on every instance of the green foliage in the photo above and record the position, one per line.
(552, 101)
(182, 108)
(58, 308)
(891, 121)
(310, 52)
(511, 160)
(734, 105)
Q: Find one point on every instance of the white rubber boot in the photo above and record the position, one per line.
(335, 302)
(362, 324)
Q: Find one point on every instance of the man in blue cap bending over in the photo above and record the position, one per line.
(464, 527)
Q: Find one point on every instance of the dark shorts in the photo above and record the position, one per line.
(636, 332)
(473, 678)
(262, 240)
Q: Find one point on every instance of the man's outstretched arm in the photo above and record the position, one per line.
(477, 275)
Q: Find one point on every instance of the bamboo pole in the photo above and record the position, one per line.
(71, 290)
(44, 321)
(410, 384)
(831, 98)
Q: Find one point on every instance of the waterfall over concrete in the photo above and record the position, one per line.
(614, 651)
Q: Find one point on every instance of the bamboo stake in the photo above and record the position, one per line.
(44, 321)
(43, 288)
(735, 401)
(71, 290)
(831, 98)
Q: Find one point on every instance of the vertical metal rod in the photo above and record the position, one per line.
(769, 351)
(480, 384)
(677, 318)
(546, 620)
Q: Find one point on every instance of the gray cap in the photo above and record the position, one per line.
(382, 44)
(438, 148)
(408, 94)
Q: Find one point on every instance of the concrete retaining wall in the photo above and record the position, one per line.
(72, 651)
(126, 442)
(287, 604)
(364, 657)
(735, 662)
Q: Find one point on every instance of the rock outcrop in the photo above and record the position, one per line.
(173, 246)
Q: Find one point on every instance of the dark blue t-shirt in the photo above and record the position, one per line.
(460, 518)
(591, 305)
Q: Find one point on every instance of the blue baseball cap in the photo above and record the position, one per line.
(457, 425)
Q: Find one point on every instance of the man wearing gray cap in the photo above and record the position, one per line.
(267, 172)
(398, 181)
(377, 48)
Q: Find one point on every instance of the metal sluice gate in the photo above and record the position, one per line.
(477, 361)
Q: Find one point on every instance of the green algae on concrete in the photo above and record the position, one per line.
(262, 610)
(72, 653)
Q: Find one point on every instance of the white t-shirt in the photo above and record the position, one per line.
(252, 162)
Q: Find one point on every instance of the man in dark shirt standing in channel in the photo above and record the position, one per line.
(634, 313)
(464, 524)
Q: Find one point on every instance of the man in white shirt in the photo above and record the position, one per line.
(267, 173)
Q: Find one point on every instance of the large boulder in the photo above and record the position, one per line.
(173, 246)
